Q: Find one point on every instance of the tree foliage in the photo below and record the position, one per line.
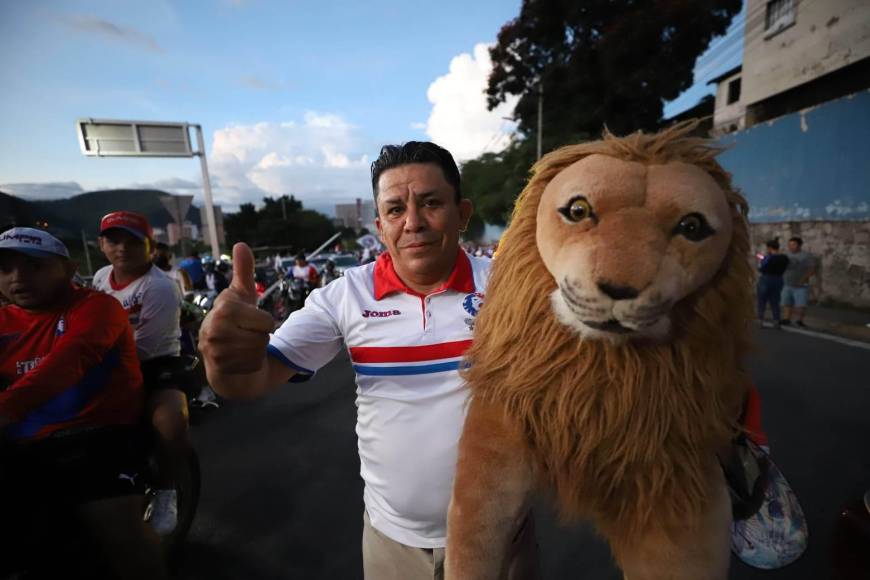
(601, 62)
(280, 222)
(612, 63)
(493, 180)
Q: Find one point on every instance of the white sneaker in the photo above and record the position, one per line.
(163, 511)
(207, 398)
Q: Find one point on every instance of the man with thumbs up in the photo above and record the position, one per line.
(406, 319)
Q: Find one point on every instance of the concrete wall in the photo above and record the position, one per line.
(811, 165)
(826, 35)
(843, 251)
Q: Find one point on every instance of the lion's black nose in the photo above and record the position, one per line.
(617, 292)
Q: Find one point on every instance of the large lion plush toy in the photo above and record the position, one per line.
(606, 364)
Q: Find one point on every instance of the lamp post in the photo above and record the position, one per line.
(540, 118)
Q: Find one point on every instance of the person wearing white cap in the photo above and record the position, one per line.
(70, 404)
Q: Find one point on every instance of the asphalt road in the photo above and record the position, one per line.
(282, 497)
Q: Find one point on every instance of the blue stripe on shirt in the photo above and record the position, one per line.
(306, 374)
(69, 404)
(406, 369)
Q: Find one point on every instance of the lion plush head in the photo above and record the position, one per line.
(627, 239)
(616, 319)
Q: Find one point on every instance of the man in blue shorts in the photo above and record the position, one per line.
(796, 291)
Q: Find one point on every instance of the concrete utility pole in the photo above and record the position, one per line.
(87, 254)
(206, 186)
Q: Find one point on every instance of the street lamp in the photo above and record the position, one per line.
(114, 138)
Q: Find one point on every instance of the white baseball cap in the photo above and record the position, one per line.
(33, 242)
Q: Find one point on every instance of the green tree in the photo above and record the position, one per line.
(493, 180)
(280, 222)
(601, 62)
(610, 63)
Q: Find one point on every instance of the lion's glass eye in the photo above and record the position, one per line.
(577, 210)
(693, 227)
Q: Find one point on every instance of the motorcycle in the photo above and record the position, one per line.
(284, 297)
(71, 556)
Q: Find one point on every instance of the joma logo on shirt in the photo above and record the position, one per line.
(25, 366)
(379, 313)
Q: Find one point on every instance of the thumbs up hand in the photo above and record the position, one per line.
(242, 286)
(234, 335)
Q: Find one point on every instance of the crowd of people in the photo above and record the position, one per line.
(88, 388)
(77, 369)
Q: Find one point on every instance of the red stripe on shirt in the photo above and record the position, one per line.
(396, 354)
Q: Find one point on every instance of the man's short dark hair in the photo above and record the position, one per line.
(415, 152)
(797, 240)
(774, 244)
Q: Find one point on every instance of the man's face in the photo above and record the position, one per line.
(33, 283)
(418, 218)
(124, 250)
(793, 247)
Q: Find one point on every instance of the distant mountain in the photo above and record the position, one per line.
(67, 217)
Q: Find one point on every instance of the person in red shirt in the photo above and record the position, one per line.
(70, 403)
(306, 272)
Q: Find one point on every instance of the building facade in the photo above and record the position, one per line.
(794, 120)
(357, 215)
(796, 54)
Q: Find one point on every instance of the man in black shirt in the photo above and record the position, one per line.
(769, 289)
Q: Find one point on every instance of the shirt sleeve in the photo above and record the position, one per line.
(159, 317)
(311, 336)
(92, 328)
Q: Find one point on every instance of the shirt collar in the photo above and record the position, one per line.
(387, 281)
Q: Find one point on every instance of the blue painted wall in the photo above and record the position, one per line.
(813, 165)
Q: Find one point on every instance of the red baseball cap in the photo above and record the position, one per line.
(135, 223)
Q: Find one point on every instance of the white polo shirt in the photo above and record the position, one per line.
(153, 304)
(406, 350)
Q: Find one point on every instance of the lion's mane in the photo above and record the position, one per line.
(624, 434)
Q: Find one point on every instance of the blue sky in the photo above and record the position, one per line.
(294, 97)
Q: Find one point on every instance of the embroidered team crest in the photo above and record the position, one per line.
(472, 303)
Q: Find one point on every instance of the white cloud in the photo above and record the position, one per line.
(43, 191)
(322, 160)
(459, 119)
